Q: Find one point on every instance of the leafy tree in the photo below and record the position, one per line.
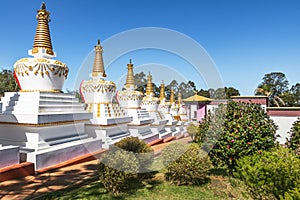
(273, 86)
(220, 93)
(230, 91)
(294, 141)
(295, 90)
(7, 82)
(140, 81)
(186, 90)
(204, 93)
(245, 129)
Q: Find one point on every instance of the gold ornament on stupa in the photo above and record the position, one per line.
(162, 94)
(42, 37)
(98, 67)
(130, 77)
(149, 88)
(179, 99)
(172, 97)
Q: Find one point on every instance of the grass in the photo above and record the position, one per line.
(219, 187)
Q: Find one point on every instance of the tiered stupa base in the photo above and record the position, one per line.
(48, 127)
(140, 125)
(110, 123)
(158, 126)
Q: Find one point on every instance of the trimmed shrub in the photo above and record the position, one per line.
(116, 169)
(235, 130)
(292, 194)
(190, 168)
(192, 130)
(141, 150)
(294, 141)
(270, 173)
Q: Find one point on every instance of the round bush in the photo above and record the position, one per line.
(141, 150)
(190, 168)
(116, 168)
(270, 173)
(235, 130)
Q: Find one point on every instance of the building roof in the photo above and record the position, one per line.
(197, 98)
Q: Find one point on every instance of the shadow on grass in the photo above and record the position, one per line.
(96, 189)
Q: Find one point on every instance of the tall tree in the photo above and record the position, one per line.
(7, 82)
(230, 91)
(204, 93)
(273, 85)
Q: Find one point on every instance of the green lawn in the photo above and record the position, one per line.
(217, 188)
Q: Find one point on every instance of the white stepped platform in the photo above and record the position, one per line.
(48, 127)
(158, 126)
(140, 126)
(108, 134)
(9, 155)
(41, 107)
(109, 123)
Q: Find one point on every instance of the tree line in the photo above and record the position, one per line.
(274, 85)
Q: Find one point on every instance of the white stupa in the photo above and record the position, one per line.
(45, 123)
(180, 113)
(110, 121)
(150, 103)
(131, 100)
(165, 107)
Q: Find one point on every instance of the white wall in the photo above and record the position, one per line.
(284, 126)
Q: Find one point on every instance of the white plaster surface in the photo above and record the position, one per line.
(9, 155)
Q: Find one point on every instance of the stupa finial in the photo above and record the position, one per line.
(98, 67)
(42, 37)
(172, 96)
(130, 76)
(179, 98)
(162, 94)
(149, 88)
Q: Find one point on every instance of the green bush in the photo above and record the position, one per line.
(271, 173)
(190, 168)
(141, 150)
(292, 194)
(192, 130)
(116, 169)
(235, 130)
(294, 141)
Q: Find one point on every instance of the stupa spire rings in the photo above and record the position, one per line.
(130, 76)
(179, 98)
(149, 88)
(162, 94)
(98, 67)
(172, 97)
(42, 39)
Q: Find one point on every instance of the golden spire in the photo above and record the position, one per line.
(42, 37)
(149, 88)
(98, 67)
(179, 99)
(162, 94)
(172, 97)
(130, 77)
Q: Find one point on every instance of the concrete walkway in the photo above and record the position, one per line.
(35, 187)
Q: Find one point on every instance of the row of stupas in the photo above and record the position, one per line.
(46, 126)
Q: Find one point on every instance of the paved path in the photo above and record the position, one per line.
(34, 187)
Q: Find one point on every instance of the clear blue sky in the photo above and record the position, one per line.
(245, 38)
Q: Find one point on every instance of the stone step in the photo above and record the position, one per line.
(56, 141)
